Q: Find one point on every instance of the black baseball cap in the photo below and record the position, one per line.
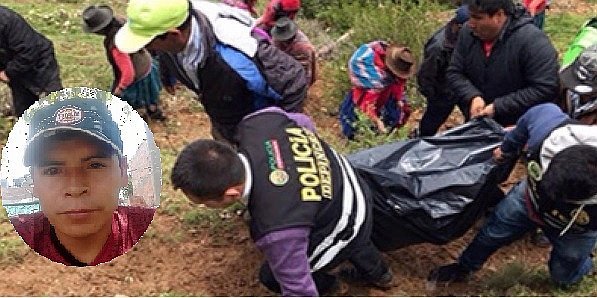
(85, 115)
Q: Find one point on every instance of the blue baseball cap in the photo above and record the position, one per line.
(85, 115)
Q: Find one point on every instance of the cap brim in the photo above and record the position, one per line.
(128, 42)
(28, 156)
(88, 29)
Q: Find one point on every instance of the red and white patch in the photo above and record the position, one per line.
(68, 115)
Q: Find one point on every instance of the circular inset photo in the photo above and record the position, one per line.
(80, 177)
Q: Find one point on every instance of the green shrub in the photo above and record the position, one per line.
(368, 137)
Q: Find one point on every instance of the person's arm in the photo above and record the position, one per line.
(23, 41)
(125, 66)
(534, 126)
(286, 253)
(368, 106)
(428, 71)
(539, 62)
(455, 75)
(167, 76)
(515, 139)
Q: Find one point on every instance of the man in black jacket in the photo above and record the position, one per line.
(431, 77)
(502, 64)
(27, 61)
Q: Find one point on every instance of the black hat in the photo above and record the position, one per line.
(85, 115)
(284, 29)
(97, 17)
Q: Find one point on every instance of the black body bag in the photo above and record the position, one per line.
(433, 189)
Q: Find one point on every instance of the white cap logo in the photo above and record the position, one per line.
(68, 115)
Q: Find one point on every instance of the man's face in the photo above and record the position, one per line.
(78, 186)
(486, 27)
(173, 41)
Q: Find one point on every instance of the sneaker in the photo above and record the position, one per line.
(352, 275)
(450, 273)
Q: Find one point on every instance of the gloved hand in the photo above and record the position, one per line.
(450, 273)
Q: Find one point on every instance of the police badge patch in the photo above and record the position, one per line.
(278, 177)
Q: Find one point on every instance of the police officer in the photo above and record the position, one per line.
(308, 208)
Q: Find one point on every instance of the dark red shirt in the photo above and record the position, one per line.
(128, 225)
(487, 47)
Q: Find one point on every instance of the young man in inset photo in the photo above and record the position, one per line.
(78, 169)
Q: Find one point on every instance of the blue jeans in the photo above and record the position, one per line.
(570, 257)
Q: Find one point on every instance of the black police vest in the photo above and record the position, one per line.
(556, 214)
(298, 180)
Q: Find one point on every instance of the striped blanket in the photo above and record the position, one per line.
(366, 67)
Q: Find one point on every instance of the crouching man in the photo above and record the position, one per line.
(309, 210)
(559, 195)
